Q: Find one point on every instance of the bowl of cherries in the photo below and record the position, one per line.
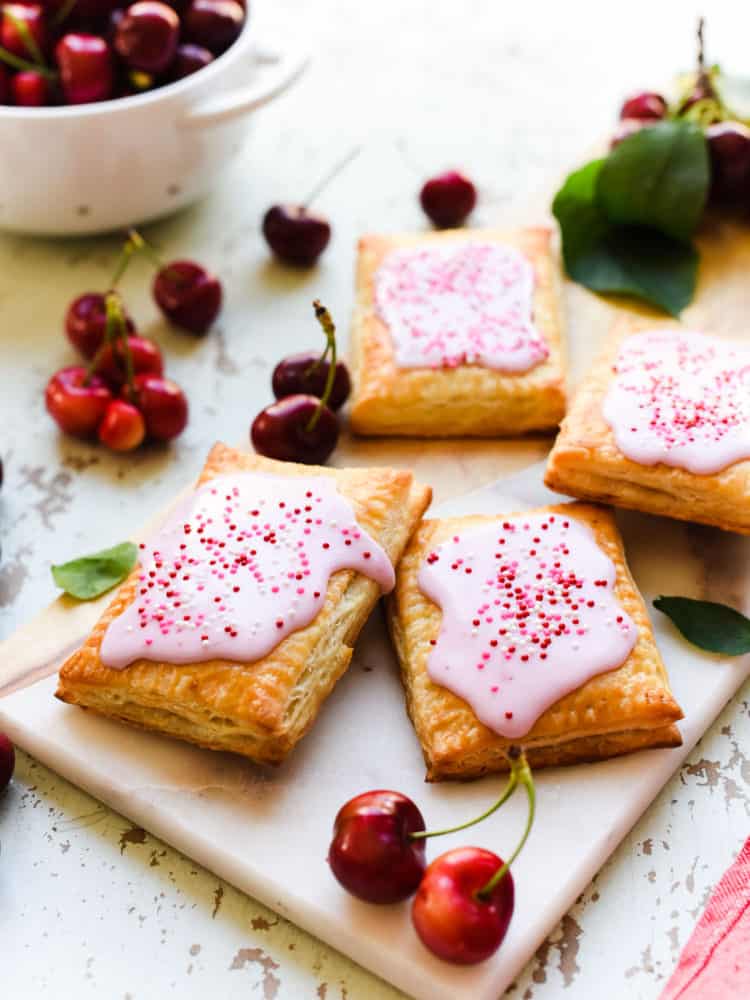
(114, 113)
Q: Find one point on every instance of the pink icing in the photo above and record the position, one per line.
(460, 304)
(681, 398)
(529, 614)
(243, 562)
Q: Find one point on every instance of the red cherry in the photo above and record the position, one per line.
(163, 405)
(371, 853)
(306, 373)
(86, 68)
(30, 89)
(146, 37)
(189, 59)
(448, 199)
(7, 762)
(86, 323)
(644, 104)
(449, 916)
(11, 38)
(188, 295)
(295, 235)
(214, 24)
(282, 431)
(123, 427)
(146, 358)
(729, 149)
(76, 401)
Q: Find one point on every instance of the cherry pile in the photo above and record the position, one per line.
(728, 139)
(302, 425)
(121, 395)
(79, 51)
(464, 898)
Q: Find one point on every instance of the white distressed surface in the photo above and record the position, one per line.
(513, 94)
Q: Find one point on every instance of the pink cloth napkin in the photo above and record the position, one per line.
(715, 963)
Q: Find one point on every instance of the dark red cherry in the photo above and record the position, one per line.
(305, 373)
(77, 401)
(86, 68)
(11, 39)
(729, 149)
(214, 24)
(86, 323)
(30, 89)
(7, 762)
(189, 59)
(448, 199)
(145, 356)
(452, 920)
(295, 235)
(162, 403)
(282, 431)
(644, 104)
(371, 853)
(146, 37)
(188, 295)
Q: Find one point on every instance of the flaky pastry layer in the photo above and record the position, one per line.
(585, 461)
(260, 709)
(630, 708)
(467, 401)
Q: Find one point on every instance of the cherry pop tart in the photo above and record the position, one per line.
(457, 333)
(662, 424)
(244, 607)
(527, 628)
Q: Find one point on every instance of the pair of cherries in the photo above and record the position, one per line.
(302, 426)
(464, 899)
(121, 396)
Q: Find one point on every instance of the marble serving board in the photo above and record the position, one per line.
(267, 830)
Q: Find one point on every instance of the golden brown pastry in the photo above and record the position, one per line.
(626, 708)
(262, 708)
(455, 398)
(587, 462)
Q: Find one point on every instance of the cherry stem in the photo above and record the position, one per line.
(138, 243)
(63, 12)
(23, 64)
(324, 318)
(128, 249)
(327, 178)
(26, 37)
(701, 47)
(522, 772)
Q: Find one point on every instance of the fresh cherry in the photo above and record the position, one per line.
(86, 323)
(77, 401)
(112, 364)
(146, 37)
(448, 199)
(307, 373)
(188, 295)
(189, 59)
(295, 235)
(214, 24)
(30, 89)
(729, 149)
(372, 854)
(452, 915)
(123, 427)
(162, 403)
(645, 104)
(86, 68)
(296, 429)
(32, 17)
(7, 762)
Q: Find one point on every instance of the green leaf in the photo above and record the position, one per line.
(91, 576)
(658, 178)
(714, 627)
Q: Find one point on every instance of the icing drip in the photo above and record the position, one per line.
(681, 398)
(460, 304)
(242, 563)
(529, 615)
